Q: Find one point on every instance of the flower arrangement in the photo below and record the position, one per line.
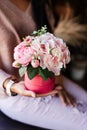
(40, 57)
(41, 54)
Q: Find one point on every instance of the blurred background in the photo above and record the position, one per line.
(72, 15)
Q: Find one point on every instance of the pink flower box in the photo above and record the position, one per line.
(38, 84)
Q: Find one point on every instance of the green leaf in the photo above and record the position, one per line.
(45, 73)
(22, 71)
(32, 72)
(42, 73)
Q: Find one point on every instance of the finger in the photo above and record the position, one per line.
(62, 98)
(29, 93)
(69, 99)
(54, 93)
(58, 88)
(47, 94)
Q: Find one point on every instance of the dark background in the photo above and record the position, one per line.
(78, 64)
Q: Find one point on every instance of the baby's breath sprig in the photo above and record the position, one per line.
(41, 31)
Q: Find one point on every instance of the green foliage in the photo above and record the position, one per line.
(22, 71)
(32, 72)
(44, 73)
(41, 31)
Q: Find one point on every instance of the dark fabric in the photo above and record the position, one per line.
(8, 124)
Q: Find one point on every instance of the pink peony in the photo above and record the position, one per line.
(23, 54)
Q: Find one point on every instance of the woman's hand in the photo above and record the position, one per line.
(64, 96)
(20, 89)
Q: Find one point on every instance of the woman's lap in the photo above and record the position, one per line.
(47, 112)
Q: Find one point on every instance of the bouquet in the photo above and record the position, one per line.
(40, 57)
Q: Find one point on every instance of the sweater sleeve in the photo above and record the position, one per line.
(3, 77)
(8, 40)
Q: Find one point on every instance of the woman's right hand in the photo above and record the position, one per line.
(19, 88)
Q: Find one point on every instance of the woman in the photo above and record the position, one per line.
(19, 18)
(12, 20)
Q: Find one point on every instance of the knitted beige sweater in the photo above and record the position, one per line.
(14, 25)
